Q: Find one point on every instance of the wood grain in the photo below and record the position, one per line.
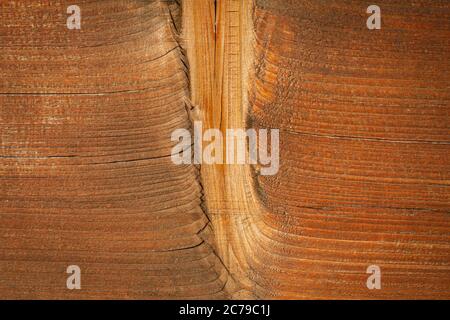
(86, 175)
(364, 120)
(85, 170)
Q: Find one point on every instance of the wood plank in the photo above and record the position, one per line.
(86, 176)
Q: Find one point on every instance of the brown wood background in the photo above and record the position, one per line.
(86, 175)
(85, 170)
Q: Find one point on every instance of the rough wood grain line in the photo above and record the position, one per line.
(85, 170)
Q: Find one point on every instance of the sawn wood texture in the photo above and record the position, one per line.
(86, 176)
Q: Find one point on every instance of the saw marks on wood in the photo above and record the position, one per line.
(365, 144)
(85, 169)
(86, 176)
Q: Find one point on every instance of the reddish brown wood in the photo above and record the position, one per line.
(85, 172)
(365, 149)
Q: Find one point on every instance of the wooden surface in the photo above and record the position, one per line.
(365, 149)
(85, 170)
(86, 175)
